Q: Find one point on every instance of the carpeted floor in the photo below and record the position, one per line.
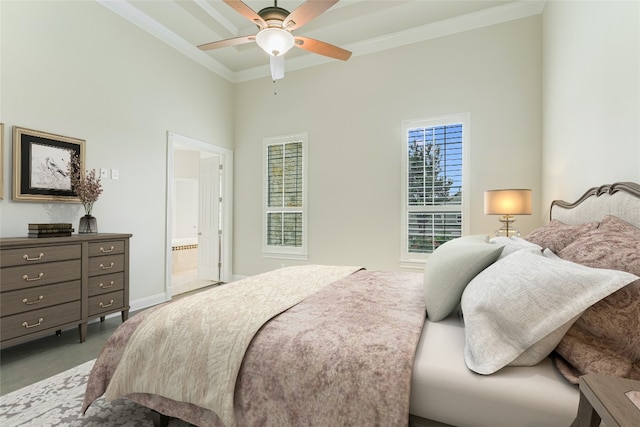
(57, 401)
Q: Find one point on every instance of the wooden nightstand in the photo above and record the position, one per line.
(603, 397)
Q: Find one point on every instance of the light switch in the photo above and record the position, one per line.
(115, 174)
(104, 173)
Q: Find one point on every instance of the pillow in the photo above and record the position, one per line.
(522, 299)
(450, 267)
(538, 351)
(512, 244)
(557, 235)
(606, 338)
(615, 244)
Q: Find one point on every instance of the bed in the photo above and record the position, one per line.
(342, 345)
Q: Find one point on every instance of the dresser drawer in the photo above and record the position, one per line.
(40, 319)
(39, 254)
(28, 276)
(106, 248)
(106, 283)
(105, 303)
(106, 264)
(28, 299)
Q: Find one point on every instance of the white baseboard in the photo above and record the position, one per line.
(149, 301)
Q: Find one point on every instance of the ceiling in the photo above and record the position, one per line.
(361, 26)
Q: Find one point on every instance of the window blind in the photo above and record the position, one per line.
(284, 194)
(428, 230)
(434, 186)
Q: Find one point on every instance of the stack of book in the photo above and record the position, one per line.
(50, 230)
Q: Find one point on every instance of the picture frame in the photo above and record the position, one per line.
(1, 161)
(40, 162)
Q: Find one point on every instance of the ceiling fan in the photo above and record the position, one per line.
(275, 38)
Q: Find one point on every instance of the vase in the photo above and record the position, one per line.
(88, 225)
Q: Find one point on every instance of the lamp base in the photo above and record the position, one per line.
(507, 229)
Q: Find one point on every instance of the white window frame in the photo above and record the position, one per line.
(415, 260)
(286, 252)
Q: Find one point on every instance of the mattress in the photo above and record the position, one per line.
(444, 390)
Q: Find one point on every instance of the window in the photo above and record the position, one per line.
(433, 171)
(285, 198)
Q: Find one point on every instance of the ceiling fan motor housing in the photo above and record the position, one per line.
(274, 16)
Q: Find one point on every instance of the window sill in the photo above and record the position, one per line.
(300, 257)
(415, 264)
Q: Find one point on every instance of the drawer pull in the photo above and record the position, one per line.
(26, 325)
(105, 251)
(103, 286)
(27, 302)
(31, 279)
(103, 305)
(26, 257)
(102, 266)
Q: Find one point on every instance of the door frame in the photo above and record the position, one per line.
(226, 160)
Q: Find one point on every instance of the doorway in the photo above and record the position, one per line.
(199, 214)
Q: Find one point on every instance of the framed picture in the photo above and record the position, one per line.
(40, 165)
(1, 161)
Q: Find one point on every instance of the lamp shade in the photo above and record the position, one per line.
(275, 41)
(507, 202)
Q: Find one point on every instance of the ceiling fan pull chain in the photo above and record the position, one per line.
(275, 90)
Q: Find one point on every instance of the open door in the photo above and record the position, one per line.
(209, 231)
(214, 210)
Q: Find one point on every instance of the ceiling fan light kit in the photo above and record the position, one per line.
(275, 41)
(275, 38)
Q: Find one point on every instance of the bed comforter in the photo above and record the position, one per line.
(343, 356)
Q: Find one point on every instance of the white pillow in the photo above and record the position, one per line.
(450, 267)
(520, 300)
(513, 244)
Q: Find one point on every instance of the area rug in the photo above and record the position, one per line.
(57, 401)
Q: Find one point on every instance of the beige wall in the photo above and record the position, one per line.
(77, 69)
(353, 114)
(591, 104)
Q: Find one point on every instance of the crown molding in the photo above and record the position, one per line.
(135, 16)
(509, 12)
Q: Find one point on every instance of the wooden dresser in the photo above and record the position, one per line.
(51, 284)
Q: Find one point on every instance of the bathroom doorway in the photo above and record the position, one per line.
(198, 214)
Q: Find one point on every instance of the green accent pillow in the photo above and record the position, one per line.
(450, 268)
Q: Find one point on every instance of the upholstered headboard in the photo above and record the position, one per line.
(621, 199)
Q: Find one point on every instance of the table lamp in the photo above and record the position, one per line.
(507, 203)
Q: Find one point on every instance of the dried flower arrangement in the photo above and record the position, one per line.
(87, 187)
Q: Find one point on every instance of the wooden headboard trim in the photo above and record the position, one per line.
(628, 187)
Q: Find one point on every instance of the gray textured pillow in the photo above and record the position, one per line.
(518, 304)
(450, 268)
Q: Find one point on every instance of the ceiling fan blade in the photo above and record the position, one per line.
(277, 67)
(228, 42)
(306, 12)
(322, 48)
(247, 12)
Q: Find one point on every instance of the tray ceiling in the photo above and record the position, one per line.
(361, 26)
